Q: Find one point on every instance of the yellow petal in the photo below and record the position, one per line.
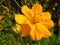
(25, 30)
(46, 15)
(38, 34)
(35, 35)
(43, 30)
(32, 33)
(20, 18)
(47, 23)
(37, 8)
(27, 12)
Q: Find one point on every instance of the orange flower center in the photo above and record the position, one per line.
(35, 19)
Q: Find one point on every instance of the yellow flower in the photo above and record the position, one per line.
(34, 22)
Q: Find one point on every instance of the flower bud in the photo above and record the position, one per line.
(16, 28)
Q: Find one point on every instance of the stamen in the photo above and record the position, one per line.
(35, 20)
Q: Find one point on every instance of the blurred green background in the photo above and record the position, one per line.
(7, 10)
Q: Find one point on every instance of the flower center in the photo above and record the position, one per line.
(35, 19)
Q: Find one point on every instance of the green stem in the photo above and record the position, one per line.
(17, 3)
(22, 42)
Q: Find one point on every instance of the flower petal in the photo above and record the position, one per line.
(43, 30)
(26, 11)
(38, 35)
(25, 30)
(32, 32)
(47, 23)
(20, 18)
(35, 35)
(46, 15)
(37, 8)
